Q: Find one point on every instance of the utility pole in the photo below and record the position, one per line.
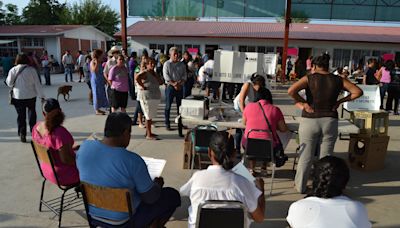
(123, 25)
(288, 20)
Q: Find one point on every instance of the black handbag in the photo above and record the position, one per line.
(11, 92)
(279, 153)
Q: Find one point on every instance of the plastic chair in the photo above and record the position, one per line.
(44, 155)
(201, 136)
(113, 199)
(260, 150)
(221, 213)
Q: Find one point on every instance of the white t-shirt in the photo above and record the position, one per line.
(216, 183)
(340, 211)
(209, 69)
(201, 77)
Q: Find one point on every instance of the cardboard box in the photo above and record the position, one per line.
(195, 107)
(366, 152)
(371, 122)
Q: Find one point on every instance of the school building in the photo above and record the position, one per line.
(347, 44)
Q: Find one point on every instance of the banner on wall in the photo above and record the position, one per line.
(370, 100)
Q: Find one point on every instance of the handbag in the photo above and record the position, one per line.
(279, 153)
(11, 92)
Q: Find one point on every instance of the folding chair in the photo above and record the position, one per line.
(260, 150)
(44, 155)
(221, 213)
(113, 199)
(201, 136)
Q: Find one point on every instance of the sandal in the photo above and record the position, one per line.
(100, 112)
(152, 138)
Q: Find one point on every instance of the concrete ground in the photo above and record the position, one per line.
(20, 180)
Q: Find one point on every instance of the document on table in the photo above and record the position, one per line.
(241, 170)
(154, 166)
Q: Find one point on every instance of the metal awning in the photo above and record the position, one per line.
(6, 41)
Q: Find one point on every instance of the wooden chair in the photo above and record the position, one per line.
(201, 136)
(260, 150)
(113, 199)
(221, 213)
(43, 155)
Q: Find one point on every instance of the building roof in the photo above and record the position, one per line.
(251, 30)
(42, 30)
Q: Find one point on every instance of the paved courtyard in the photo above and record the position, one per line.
(20, 180)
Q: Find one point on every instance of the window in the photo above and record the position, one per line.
(261, 49)
(160, 46)
(243, 48)
(341, 57)
(359, 57)
(270, 49)
(152, 46)
(32, 42)
(94, 44)
(10, 48)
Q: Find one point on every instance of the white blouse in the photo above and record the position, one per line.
(27, 84)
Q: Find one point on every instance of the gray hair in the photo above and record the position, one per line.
(173, 49)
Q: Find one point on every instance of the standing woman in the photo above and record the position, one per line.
(385, 78)
(394, 90)
(119, 81)
(86, 73)
(319, 125)
(97, 82)
(46, 67)
(26, 87)
(149, 84)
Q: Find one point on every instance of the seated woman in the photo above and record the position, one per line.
(52, 135)
(218, 182)
(253, 118)
(246, 95)
(326, 206)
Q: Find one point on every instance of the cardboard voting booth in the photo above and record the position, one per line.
(270, 63)
(236, 67)
(370, 100)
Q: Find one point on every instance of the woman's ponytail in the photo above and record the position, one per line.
(222, 146)
(54, 119)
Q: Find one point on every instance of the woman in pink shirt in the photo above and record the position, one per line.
(119, 80)
(384, 78)
(51, 134)
(253, 118)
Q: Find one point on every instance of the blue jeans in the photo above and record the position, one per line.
(68, 71)
(383, 88)
(131, 86)
(46, 74)
(187, 88)
(137, 111)
(170, 94)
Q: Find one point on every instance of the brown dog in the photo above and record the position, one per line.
(64, 90)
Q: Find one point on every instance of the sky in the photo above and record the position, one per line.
(131, 20)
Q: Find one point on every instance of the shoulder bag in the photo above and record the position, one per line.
(11, 93)
(279, 153)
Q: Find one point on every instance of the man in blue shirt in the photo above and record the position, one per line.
(108, 163)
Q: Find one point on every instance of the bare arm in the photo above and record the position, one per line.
(258, 214)
(243, 94)
(139, 77)
(282, 127)
(66, 154)
(93, 65)
(355, 92)
(293, 91)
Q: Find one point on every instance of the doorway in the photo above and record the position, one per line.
(304, 53)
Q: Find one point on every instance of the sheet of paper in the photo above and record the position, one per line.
(285, 138)
(241, 170)
(154, 166)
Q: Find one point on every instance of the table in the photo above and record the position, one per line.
(345, 126)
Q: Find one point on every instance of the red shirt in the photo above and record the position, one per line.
(255, 120)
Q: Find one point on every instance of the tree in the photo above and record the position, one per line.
(44, 12)
(296, 17)
(179, 9)
(9, 15)
(93, 12)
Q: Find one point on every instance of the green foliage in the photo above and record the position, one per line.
(44, 12)
(93, 12)
(9, 15)
(296, 17)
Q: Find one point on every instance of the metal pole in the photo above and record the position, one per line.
(286, 38)
(123, 24)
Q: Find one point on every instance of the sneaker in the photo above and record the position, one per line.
(23, 138)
